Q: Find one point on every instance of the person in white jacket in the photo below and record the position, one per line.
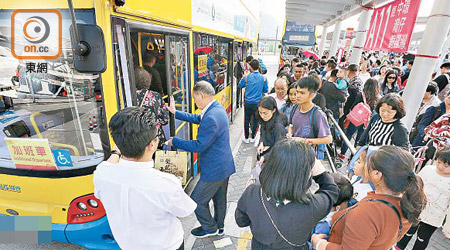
(436, 179)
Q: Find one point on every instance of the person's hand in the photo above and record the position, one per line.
(444, 134)
(260, 148)
(116, 148)
(316, 238)
(288, 135)
(171, 106)
(169, 142)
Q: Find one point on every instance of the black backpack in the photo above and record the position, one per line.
(414, 131)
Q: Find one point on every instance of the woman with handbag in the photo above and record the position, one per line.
(379, 220)
(369, 96)
(281, 211)
(152, 101)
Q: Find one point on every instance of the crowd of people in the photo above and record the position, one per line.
(380, 204)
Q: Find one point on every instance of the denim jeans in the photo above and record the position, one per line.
(349, 133)
(249, 112)
(203, 192)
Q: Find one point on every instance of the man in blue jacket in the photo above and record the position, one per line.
(215, 158)
(255, 86)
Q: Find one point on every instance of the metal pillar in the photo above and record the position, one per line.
(335, 40)
(322, 41)
(360, 40)
(430, 46)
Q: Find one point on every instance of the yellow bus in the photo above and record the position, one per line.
(65, 110)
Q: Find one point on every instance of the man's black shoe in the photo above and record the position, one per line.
(199, 232)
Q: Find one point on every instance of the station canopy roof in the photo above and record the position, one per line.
(326, 12)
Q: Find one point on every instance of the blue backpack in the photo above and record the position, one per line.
(321, 148)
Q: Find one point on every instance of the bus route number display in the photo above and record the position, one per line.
(32, 154)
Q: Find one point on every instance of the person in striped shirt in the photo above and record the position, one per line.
(385, 127)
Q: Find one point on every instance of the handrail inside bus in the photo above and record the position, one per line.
(57, 144)
(180, 127)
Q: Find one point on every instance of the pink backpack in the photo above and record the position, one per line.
(360, 114)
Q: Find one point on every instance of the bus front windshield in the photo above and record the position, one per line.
(49, 100)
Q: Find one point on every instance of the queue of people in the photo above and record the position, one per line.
(381, 205)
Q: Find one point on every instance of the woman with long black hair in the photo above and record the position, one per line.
(389, 84)
(370, 95)
(273, 124)
(281, 211)
(380, 219)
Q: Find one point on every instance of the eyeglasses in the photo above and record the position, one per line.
(391, 77)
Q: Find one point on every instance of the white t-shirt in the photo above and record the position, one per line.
(360, 189)
(280, 102)
(437, 189)
(142, 204)
(364, 77)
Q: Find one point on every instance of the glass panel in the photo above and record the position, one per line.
(48, 99)
(179, 74)
(215, 53)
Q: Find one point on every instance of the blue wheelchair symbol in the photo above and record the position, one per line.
(62, 158)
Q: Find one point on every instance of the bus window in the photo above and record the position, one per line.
(48, 99)
(211, 60)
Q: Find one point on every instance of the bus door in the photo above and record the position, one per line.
(164, 53)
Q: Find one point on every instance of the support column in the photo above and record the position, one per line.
(322, 41)
(335, 39)
(430, 46)
(443, 53)
(360, 40)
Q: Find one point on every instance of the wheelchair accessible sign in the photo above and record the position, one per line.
(62, 158)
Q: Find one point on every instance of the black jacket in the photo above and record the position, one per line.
(274, 129)
(156, 84)
(295, 220)
(333, 96)
(399, 138)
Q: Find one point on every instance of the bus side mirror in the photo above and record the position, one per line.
(89, 54)
(279, 46)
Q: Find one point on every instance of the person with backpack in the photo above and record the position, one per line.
(364, 104)
(431, 114)
(307, 122)
(380, 219)
(256, 86)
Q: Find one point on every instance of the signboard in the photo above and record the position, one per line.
(299, 34)
(231, 17)
(349, 33)
(391, 26)
(202, 62)
(31, 153)
(62, 157)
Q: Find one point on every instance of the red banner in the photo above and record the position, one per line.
(392, 25)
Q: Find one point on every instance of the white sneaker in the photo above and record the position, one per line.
(245, 140)
(252, 140)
